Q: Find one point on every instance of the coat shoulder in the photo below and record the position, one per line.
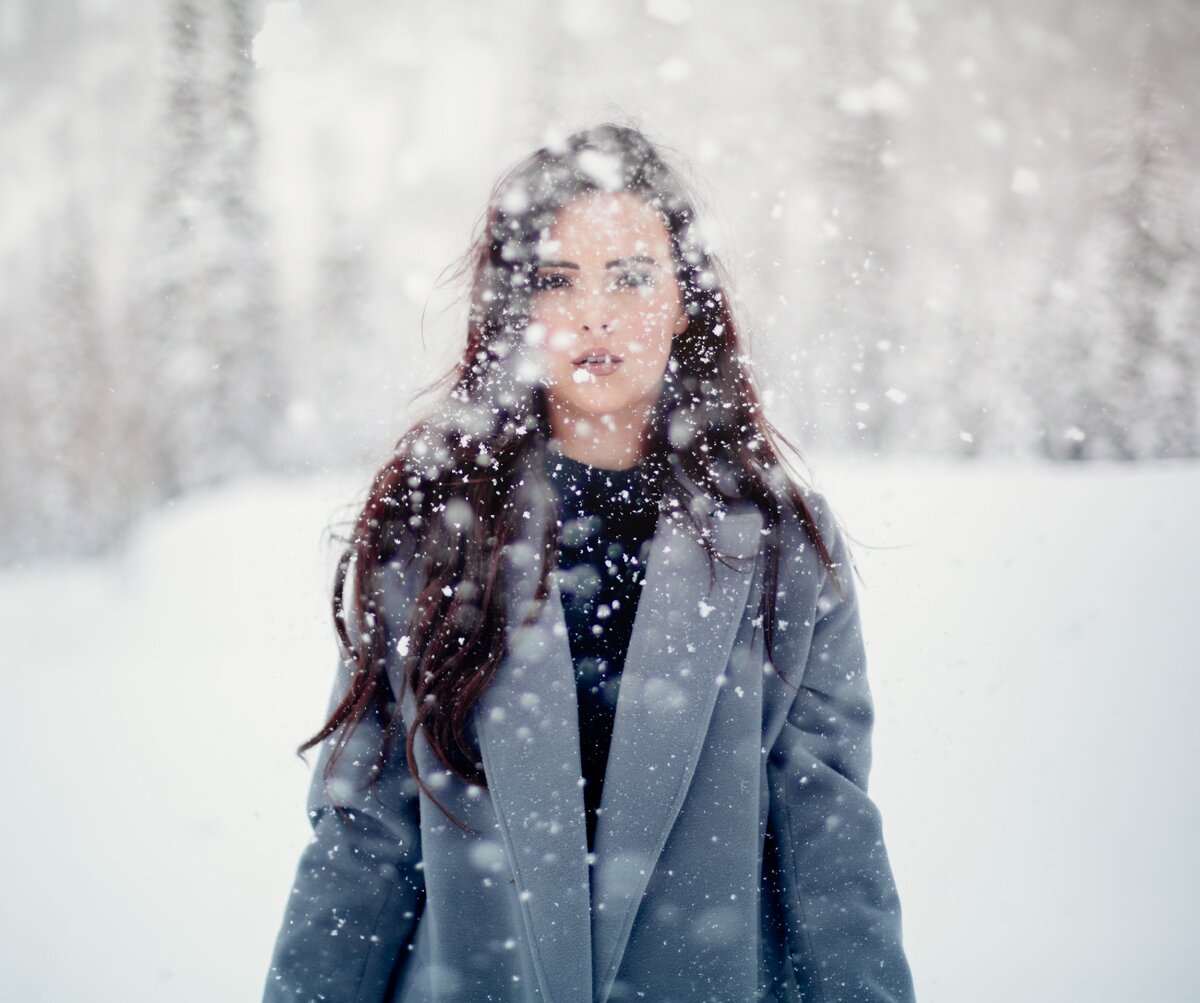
(802, 534)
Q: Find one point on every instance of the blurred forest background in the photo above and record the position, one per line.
(954, 229)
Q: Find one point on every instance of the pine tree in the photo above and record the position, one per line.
(1140, 399)
(204, 321)
(855, 327)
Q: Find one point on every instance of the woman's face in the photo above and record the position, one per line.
(605, 307)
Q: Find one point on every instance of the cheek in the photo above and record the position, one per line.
(553, 313)
(560, 339)
(550, 330)
(650, 349)
(650, 324)
(654, 307)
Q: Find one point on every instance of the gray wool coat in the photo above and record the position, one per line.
(737, 854)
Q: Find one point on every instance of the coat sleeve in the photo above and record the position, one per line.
(359, 889)
(841, 905)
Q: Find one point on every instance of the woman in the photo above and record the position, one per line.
(597, 506)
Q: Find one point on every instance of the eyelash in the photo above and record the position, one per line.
(630, 280)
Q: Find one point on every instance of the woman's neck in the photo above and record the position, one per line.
(600, 440)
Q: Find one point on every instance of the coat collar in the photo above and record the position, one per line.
(529, 739)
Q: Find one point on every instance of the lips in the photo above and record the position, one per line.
(594, 363)
(596, 356)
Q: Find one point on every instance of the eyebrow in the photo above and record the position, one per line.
(644, 258)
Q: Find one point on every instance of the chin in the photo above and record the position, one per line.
(593, 410)
(597, 405)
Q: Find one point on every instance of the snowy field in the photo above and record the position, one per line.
(1035, 653)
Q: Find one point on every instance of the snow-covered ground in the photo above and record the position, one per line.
(1035, 652)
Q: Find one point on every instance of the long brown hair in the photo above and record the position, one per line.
(451, 478)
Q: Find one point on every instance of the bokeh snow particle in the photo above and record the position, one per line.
(284, 42)
(670, 11)
(1025, 182)
(674, 71)
(603, 168)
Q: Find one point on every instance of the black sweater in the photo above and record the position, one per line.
(606, 519)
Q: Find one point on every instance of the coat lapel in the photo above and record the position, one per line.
(682, 637)
(529, 738)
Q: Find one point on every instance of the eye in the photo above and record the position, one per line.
(633, 280)
(551, 280)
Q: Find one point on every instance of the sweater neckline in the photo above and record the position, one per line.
(632, 490)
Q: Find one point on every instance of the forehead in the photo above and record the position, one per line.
(610, 220)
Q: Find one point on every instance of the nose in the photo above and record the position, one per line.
(595, 314)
